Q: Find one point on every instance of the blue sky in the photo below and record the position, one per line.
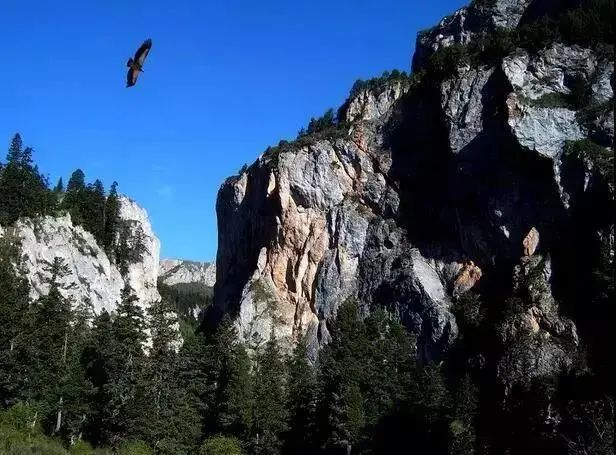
(224, 80)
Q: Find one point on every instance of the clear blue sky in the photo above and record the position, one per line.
(224, 80)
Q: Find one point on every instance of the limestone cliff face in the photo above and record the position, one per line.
(425, 193)
(92, 275)
(178, 271)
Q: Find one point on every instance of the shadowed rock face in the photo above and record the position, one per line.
(429, 192)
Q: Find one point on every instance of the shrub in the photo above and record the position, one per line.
(221, 445)
(601, 157)
(20, 417)
(81, 448)
(18, 435)
(377, 83)
(468, 311)
(444, 63)
(136, 447)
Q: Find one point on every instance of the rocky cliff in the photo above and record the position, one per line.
(178, 271)
(430, 186)
(93, 275)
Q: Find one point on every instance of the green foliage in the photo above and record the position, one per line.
(269, 410)
(234, 392)
(465, 411)
(130, 246)
(23, 190)
(221, 445)
(327, 121)
(301, 402)
(444, 63)
(468, 311)
(80, 448)
(378, 83)
(594, 427)
(589, 25)
(112, 219)
(186, 297)
(327, 126)
(601, 157)
(15, 323)
(135, 447)
(20, 434)
(21, 417)
(159, 424)
(57, 378)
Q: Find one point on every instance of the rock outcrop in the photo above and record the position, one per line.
(178, 271)
(424, 192)
(92, 275)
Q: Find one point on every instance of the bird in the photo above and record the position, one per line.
(135, 64)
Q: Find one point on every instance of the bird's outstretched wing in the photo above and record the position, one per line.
(143, 51)
(131, 77)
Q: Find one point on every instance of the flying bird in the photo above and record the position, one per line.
(135, 64)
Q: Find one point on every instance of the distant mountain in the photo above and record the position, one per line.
(176, 271)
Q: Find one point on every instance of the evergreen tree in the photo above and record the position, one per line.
(126, 388)
(93, 210)
(58, 380)
(233, 396)
(23, 190)
(429, 404)
(194, 392)
(130, 247)
(115, 365)
(341, 373)
(77, 182)
(160, 426)
(269, 411)
(102, 363)
(59, 188)
(14, 324)
(301, 401)
(74, 200)
(16, 152)
(462, 427)
(390, 367)
(111, 217)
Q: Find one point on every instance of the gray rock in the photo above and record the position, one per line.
(92, 275)
(462, 104)
(178, 271)
(461, 26)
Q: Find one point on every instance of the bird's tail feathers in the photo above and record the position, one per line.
(130, 62)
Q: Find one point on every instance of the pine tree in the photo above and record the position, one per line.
(462, 427)
(103, 363)
(58, 379)
(118, 366)
(390, 366)
(341, 374)
(269, 411)
(23, 190)
(233, 401)
(112, 215)
(93, 210)
(59, 188)
(193, 394)
(74, 200)
(301, 401)
(15, 153)
(15, 324)
(161, 367)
